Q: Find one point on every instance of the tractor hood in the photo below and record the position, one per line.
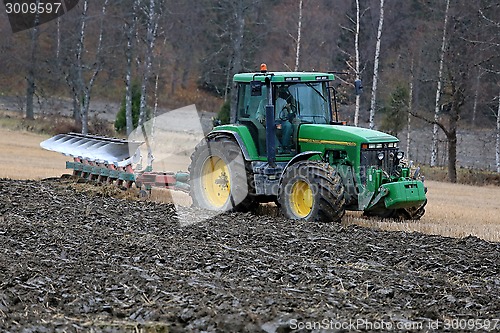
(344, 135)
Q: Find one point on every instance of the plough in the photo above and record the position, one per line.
(112, 161)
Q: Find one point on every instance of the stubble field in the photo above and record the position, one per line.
(453, 210)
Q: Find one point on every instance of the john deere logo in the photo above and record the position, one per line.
(26, 14)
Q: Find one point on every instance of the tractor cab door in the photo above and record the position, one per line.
(251, 112)
(286, 106)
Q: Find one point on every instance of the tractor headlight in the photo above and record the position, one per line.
(400, 155)
(380, 156)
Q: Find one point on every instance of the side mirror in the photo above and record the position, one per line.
(256, 88)
(358, 87)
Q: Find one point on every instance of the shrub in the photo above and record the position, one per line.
(224, 113)
(121, 119)
(464, 176)
(396, 113)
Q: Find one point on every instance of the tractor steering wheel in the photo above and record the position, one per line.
(286, 114)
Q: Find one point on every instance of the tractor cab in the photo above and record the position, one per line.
(296, 98)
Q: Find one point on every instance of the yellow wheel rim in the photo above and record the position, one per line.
(302, 199)
(215, 181)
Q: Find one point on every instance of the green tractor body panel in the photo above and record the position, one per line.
(404, 194)
(242, 134)
(346, 139)
(355, 135)
(375, 188)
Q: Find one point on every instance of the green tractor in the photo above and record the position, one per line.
(284, 146)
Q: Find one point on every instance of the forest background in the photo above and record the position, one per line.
(430, 69)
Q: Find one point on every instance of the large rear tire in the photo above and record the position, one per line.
(312, 191)
(218, 176)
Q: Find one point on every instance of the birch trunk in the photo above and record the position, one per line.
(435, 128)
(148, 63)
(77, 91)
(476, 95)
(357, 64)
(30, 78)
(87, 88)
(237, 43)
(58, 47)
(297, 55)
(375, 66)
(410, 111)
(128, 74)
(497, 152)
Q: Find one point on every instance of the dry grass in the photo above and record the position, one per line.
(454, 210)
(22, 158)
(166, 196)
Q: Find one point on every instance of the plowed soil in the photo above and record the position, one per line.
(76, 261)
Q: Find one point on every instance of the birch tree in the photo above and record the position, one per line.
(152, 27)
(86, 89)
(480, 73)
(131, 36)
(237, 45)
(297, 54)
(376, 65)
(77, 76)
(357, 64)
(459, 57)
(410, 111)
(434, 146)
(82, 73)
(30, 77)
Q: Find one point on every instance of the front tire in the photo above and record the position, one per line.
(312, 191)
(218, 176)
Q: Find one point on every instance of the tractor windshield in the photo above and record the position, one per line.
(309, 101)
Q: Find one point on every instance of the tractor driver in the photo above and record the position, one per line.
(285, 109)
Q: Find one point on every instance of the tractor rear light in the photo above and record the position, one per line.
(364, 146)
